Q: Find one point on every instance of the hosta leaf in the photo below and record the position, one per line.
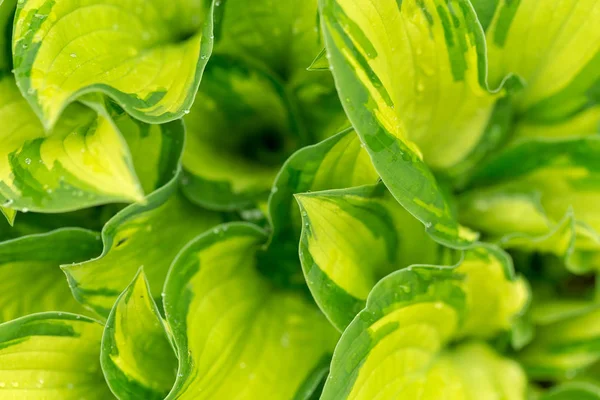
(341, 268)
(30, 278)
(582, 124)
(137, 358)
(397, 347)
(532, 186)
(147, 55)
(572, 391)
(337, 162)
(320, 63)
(51, 356)
(84, 161)
(148, 236)
(235, 333)
(555, 47)
(283, 38)
(395, 76)
(237, 139)
(7, 13)
(31, 223)
(9, 213)
(564, 346)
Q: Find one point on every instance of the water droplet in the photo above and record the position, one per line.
(28, 161)
(25, 209)
(73, 55)
(186, 111)
(2, 384)
(15, 384)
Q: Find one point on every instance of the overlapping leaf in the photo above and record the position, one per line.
(147, 55)
(53, 356)
(337, 162)
(30, 278)
(528, 192)
(84, 161)
(237, 139)
(137, 358)
(411, 76)
(351, 238)
(257, 103)
(554, 47)
(148, 235)
(236, 334)
(398, 346)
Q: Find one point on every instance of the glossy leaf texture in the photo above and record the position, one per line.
(342, 268)
(236, 334)
(337, 162)
(284, 38)
(237, 139)
(554, 47)
(137, 358)
(83, 161)
(148, 235)
(51, 356)
(30, 277)
(398, 346)
(257, 103)
(147, 55)
(395, 77)
(564, 345)
(540, 194)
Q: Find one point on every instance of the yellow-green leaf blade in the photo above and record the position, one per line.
(236, 334)
(545, 190)
(137, 358)
(84, 161)
(398, 346)
(395, 74)
(30, 277)
(554, 47)
(147, 55)
(337, 162)
(51, 356)
(341, 268)
(148, 236)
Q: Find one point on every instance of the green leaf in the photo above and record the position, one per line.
(540, 194)
(83, 162)
(337, 162)
(573, 391)
(584, 123)
(235, 333)
(51, 356)
(10, 214)
(30, 278)
(283, 38)
(564, 346)
(560, 67)
(148, 236)
(398, 346)
(237, 139)
(147, 55)
(393, 74)
(351, 238)
(137, 358)
(7, 13)
(320, 63)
